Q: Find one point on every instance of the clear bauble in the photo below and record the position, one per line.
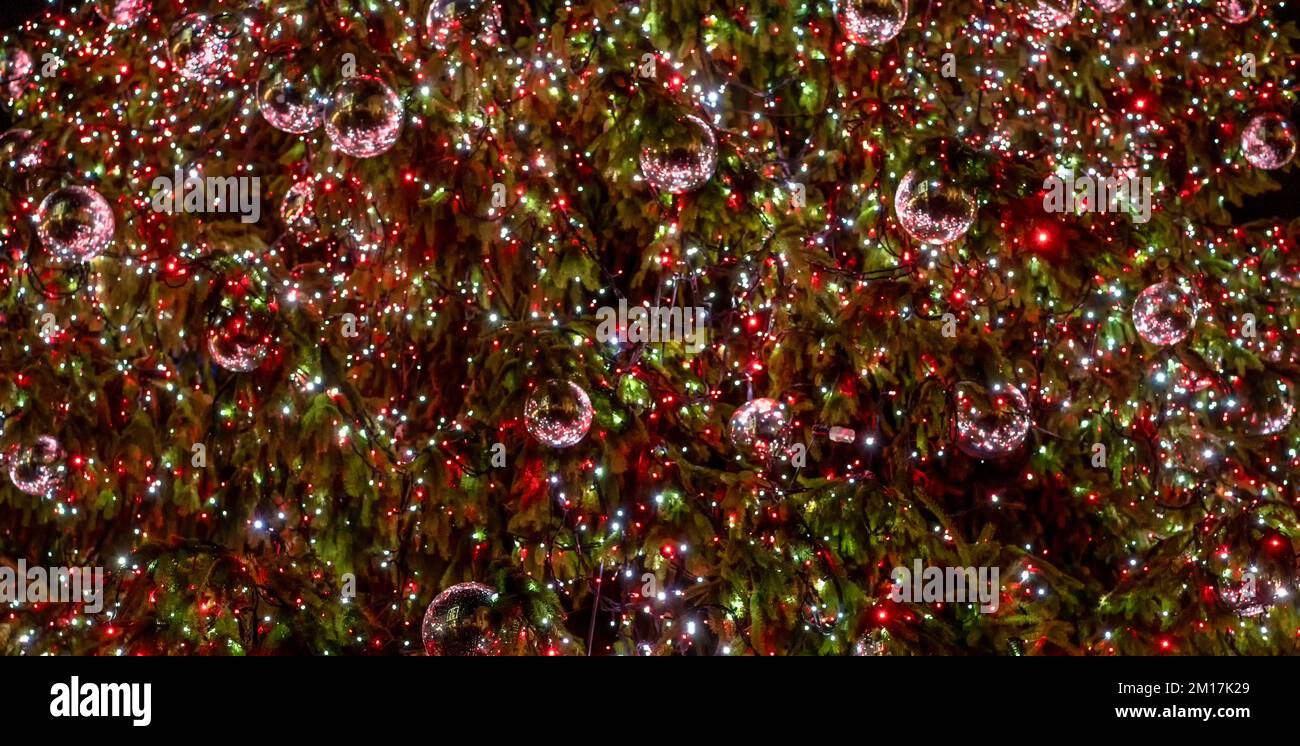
(1268, 141)
(933, 211)
(39, 468)
(871, 22)
(75, 224)
(1165, 313)
(558, 413)
(681, 157)
(363, 117)
(991, 423)
(760, 429)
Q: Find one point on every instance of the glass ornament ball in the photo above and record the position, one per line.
(558, 413)
(759, 429)
(298, 210)
(682, 157)
(363, 117)
(200, 49)
(933, 211)
(991, 424)
(75, 224)
(1268, 141)
(1250, 405)
(872, 644)
(39, 468)
(21, 150)
(124, 13)
(289, 101)
(447, 21)
(15, 70)
(239, 339)
(1165, 313)
(1236, 11)
(460, 621)
(1050, 15)
(871, 22)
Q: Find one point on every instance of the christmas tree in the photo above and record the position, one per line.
(644, 328)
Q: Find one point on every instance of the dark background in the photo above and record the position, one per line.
(1284, 202)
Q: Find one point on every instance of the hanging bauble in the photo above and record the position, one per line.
(21, 150)
(1050, 15)
(240, 337)
(39, 468)
(298, 210)
(199, 48)
(15, 70)
(760, 429)
(75, 224)
(1268, 141)
(991, 423)
(1165, 313)
(681, 157)
(933, 211)
(1236, 11)
(558, 413)
(463, 621)
(872, 644)
(871, 22)
(448, 21)
(290, 101)
(1255, 404)
(363, 117)
(123, 13)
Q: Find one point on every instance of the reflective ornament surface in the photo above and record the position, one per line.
(1268, 141)
(1256, 404)
(15, 70)
(759, 429)
(38, 469)
(123, 13)
(933, 211)
(991, 423)
(1165, 313)
(289, 101)
(449, 21)
(682, 158)
(871, 22)
(298, 210)
(558, 413)
(460, 621)
(75, 224)
(1050, 15)
(21, 151)
(199, 48)
(1236, 11)
(1107, 6)
(363, 117)
(239, 339)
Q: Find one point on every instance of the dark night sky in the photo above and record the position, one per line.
(1283, 202)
